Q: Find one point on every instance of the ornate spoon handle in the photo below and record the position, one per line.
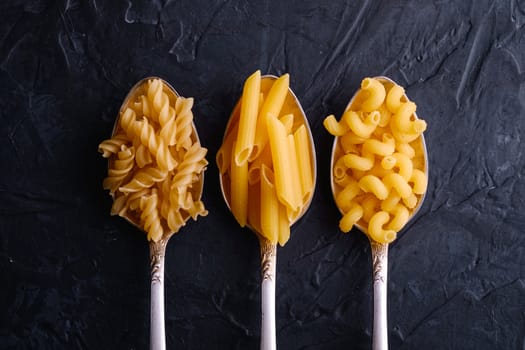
(268, 269)
(380, 268)
(157, 327)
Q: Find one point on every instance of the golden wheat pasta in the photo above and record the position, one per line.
(142, 106)
(184, 122)
(287, 121)
(279, 147)
(150, 216)
(404, 164)
(350, 138)
(168, 131)
(248, 118)
(400, 218)
(385, 147)
(376, 230)
(403, 137)
(370, 205)
(340, 169)
(411, 201)
(239, 190)
(269, 206)
(420, 181)
(354, 161)
(378, 170)
(388, 162)
(113, 145)
(346, 196)
(293, 172)
(403, 119)
(390, 203)
(254, 212)
(394, 98)
(398, 183)
(271, 108)
(143, 156)
(386, 116)
(362, 127)
(376, 94)
(334, 127)
(175, 220)
(133, 199)
(144, 178)
(302, 147)
(351, 217)
(193, 163)
(405, 148)
(120, 169)
(223, 156)
(284, 224)
(119, 206)
(254, 168)
(373, 184)
(345, 180)
(349, 147)
(196, 208)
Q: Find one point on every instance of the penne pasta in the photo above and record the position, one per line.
(248, 118)
(270, 222)
(239, 191)
(302, 148)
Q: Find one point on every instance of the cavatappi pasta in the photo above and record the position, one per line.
(266, 161)
(378, 173)
(155, 161)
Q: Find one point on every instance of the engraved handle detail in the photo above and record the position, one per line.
(157, 327)
(380, 271)
(268, 272)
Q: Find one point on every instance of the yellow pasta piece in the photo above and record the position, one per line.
(254, 212)
(403, 119)
(279, 147)
(254, 168)
(270, 223)
(370, 204)
(405, 165)
(223, 157)
(287, 121)
(371, 183)
(400, 218)
(334, 127)
(350, 138)
(394, 98)
(271, 108)
(354, 214)
(390, 203)
(248, 118)
(420, 181)
(405, 148)
(302, 147)
(284, 225)
(376, 96)
(239, 190)
(398, 183)
(345, 197)
(376, 230)
(293, 172)
(364, 162)
(362, 127)
(382, 148)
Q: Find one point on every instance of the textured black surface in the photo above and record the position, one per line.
(72, 277)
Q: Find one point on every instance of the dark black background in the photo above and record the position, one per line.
(72, 277)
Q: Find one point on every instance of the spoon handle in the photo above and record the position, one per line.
(157, 327)
(268, 269)
(380, 270)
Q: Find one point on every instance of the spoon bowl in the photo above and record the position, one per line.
(268, 249)
(158, 248)
(379, 250)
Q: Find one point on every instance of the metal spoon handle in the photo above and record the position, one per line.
(380, 270)
(157, 327)
(268, 270)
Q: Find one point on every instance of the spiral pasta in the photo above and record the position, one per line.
(379, 170)
(156, 162)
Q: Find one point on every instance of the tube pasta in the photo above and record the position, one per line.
(248, 118)
(378, 160)
(152, 175)
(279, 176)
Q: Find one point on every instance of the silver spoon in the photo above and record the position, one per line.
(379, 250)
(268, 249)
(158, 249)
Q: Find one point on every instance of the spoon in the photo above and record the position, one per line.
(379, 250)
(268, 249)
(158, 249)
